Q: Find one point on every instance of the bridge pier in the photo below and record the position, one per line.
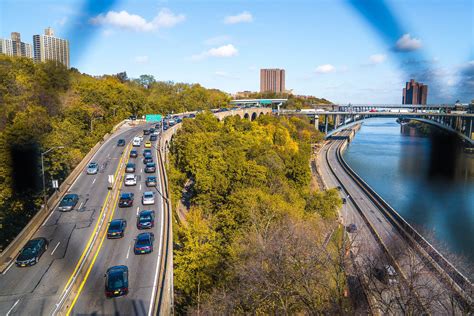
(326, 123)
(316, 122)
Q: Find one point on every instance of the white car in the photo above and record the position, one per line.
(136, 142)
(148, 198)
(130, 179)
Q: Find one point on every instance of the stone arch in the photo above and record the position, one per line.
(254, 116)
(246, 116)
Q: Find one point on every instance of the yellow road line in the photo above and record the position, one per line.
(94, 231)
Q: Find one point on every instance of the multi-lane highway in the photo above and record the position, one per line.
(377, 238)
(37, 289)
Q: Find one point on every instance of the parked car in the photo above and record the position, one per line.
(116, 281)
(130, 167)
(126, 199)
(130, 179)
(31, 252)
(147, 159)
(148, 198)
(93, 168)
(151, 181)
(116, 228)
(121, 142)
(150, 167)
(144, 243)
(68, 202)
(146, 219)
(351, 228)
(133, 153)
(386, 274)
(344, 200)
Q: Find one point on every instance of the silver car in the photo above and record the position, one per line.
(93, 168)
(130, 179)
(148, 198)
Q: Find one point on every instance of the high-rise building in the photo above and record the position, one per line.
(272, 80)
(415, 93)
(49, 47)
(15, 47)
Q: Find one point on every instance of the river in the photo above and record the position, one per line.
(429, 180)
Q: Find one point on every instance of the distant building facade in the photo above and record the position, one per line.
(15, 47)
(49, 47)
(415, 93)
(272, 80)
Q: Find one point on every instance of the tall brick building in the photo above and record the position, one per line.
(415, 93)
(272, 80)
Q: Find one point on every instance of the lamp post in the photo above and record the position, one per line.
(42, 170)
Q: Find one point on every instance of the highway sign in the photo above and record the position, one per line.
(265, 102)
(153, 117)
(55, 184)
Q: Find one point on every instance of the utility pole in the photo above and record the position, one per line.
(42, 171)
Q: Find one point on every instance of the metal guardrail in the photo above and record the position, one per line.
(10, 252)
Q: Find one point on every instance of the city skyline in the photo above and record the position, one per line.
(365, 63)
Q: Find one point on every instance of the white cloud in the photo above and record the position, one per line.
(217, 40)
(107, 32)
(407, 44)
(377, 58)
(244, 17)
(325, 69)
(61, 21)
(222, 51)
(142, 59)
(127, 21)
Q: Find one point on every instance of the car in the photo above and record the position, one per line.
(147, 144)
(146, 152)
(339, 188)
(351, 228)
(68, 202)
(132, 117)
(133, 153)
(171, 122)
(146, 219)
(150, 167)
(126, 199)
(386, 274)
(179, 120)
(136, 142)
(130, 167)
(130, 179)
(344, 200)
(146, 132)
(31, 252)
(147, 159)
(148, 198)
(121, 142)
(93, 168)
(158, 126)
(144, 243)
(153, 137)
(150, 181)
(156, 133)
(373, 110)
(152, 130)
(116, 228)
(165, 127)
(116, 281)
(192, 115)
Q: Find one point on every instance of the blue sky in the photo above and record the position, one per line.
(345, 51)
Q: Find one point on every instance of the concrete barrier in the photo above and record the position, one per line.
(11, 251)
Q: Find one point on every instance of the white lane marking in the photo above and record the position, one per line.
(150, 311)
(49, 216)
(93, 181)
(80, 206)
(140, 186)
(52, 252)
(128, 252)
(8, 268)
(8, 313)
(138, 209)
(141, 170)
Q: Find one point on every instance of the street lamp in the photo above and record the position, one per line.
(42, 170)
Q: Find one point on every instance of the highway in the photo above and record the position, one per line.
(37, 289)
(377, 241)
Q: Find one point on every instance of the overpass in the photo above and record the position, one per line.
(451, 118)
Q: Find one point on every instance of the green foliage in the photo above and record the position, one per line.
(294, 101)
(324, 203)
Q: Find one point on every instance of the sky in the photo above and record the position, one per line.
(346, 51)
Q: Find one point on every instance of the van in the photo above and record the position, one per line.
(136, 142)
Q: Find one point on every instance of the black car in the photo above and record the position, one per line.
(152, 130)
(146, 132)
(130, 168)
(31, 252)
(147, 159)
(116, 228)
(150, 181)
(146, 219)
(116, 281)
(179, 120)
(144, 243)
(146, 152)
(344, 200)
(132, 117)
(153, 138)
(68, 202)
(133, 153)
(192, 115)
(158, 126)
(165, 127)
(351, 228)
(126, 199)
(150, 167)
(121, 142)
